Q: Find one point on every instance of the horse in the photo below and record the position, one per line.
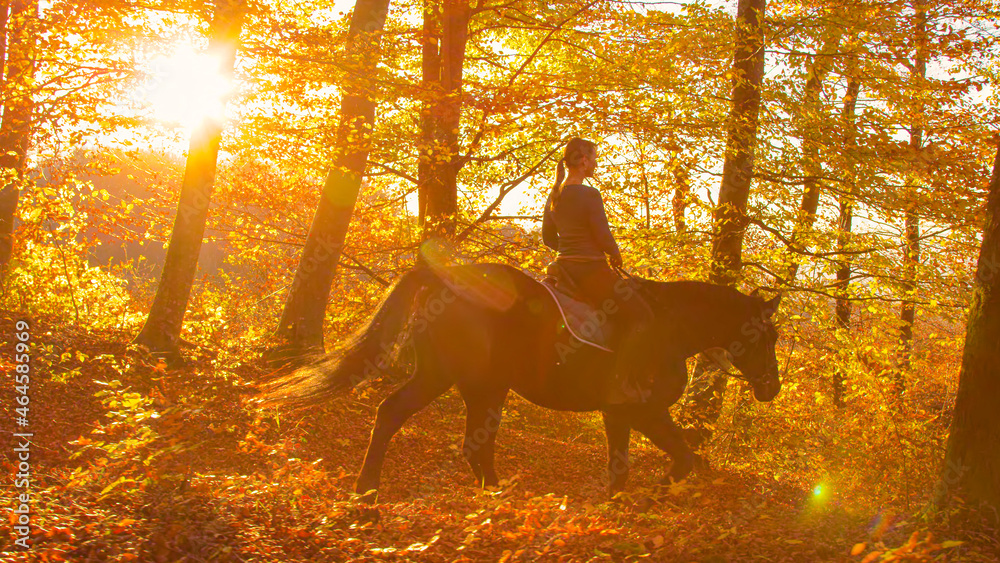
(491, 328)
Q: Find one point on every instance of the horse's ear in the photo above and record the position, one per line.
(772, 304)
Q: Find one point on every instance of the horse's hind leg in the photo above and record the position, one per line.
(482, 421)
(617, 429)
(415, 394)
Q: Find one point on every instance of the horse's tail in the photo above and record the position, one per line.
(365, 354)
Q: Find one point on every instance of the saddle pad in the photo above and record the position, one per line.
(586, 324)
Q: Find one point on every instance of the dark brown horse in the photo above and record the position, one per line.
(490, 328)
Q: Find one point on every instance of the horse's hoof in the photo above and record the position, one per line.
(363, 515)
(701, 464)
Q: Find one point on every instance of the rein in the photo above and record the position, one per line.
(637, 284)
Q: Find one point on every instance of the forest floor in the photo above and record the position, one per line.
(134, 462)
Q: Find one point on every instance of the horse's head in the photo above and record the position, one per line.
(752, 350)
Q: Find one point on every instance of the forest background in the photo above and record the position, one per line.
(839, 153)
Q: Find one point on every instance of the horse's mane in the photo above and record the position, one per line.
(693, 288)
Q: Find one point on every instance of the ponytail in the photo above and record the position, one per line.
(575, 149)
(557, 187)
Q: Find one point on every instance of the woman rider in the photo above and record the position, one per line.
(574, 224)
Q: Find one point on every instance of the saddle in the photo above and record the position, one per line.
(585, 323)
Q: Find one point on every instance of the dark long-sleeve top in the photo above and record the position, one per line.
(578, 227)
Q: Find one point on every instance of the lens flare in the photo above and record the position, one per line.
(488, 285)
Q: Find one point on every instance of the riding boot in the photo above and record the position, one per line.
(632, 378)
(596, 284)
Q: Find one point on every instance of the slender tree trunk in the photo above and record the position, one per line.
(162, 330)
(15, 128)
(430, 53)
(729, 218)
(812, 139)
(645, 199)
(844, 223)
(907, 314)
(641, 147)
(440, 182)
(911, 256)
(300, 329)
(4, 18)
(972, 460)
(682, 193)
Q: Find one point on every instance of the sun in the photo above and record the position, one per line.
(185, 88)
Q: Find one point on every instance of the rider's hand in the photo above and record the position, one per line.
(616, 260)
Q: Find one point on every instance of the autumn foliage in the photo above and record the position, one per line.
(873, 151)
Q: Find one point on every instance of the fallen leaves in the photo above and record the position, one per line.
(264, 491)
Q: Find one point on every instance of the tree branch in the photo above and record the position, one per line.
(504, 190)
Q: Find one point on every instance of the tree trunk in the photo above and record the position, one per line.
(911, 256)
(907, 314)
(15, 128)
(4, 18)
(430, 83)
(844, 223)
(300, 329)
(162, 330)
(645, 199)
(972, 461)
(812, 138)
(682, 193)
(442, 157)
(729, 218)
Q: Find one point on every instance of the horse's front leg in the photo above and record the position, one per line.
(617, 428)
(661, 429)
